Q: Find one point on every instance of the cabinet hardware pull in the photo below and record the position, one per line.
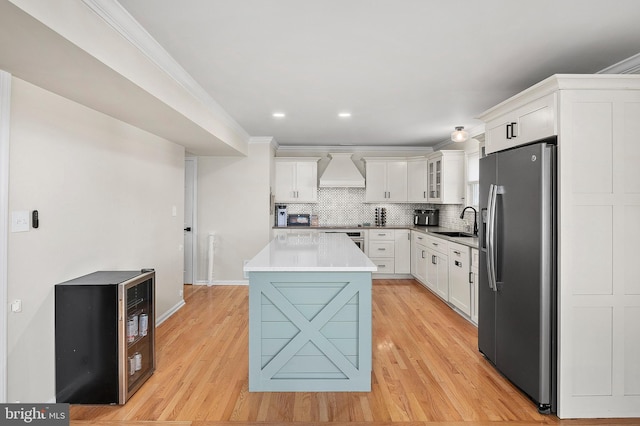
(422, 253)
(508, 131)
(381, 248)
(514, 133)
(458, 263)
(435, 244)
(434, 260)
(457, 252)
(424, 194)
(470, 277)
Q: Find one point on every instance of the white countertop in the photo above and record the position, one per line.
(311, 252)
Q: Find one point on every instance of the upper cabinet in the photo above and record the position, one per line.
(445, 177)
(296, 180)
(535, 120)
(386, 180)
(417, 187)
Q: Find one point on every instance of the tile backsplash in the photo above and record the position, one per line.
(346, 207)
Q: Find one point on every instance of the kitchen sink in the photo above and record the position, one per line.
(454, 234)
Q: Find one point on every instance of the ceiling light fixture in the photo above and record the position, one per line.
(344, 114)
(278, 115)
(459, 135)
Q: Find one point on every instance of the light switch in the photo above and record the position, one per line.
(16, 306)
(20, 221)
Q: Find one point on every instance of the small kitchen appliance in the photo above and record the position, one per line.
(299, 220)
(281, 215)
(426, 217)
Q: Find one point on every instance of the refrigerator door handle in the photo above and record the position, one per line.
(490, 237)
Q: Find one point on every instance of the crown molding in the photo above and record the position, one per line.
(114, 14)
(353, 148)
(265, 139)
(627, 66)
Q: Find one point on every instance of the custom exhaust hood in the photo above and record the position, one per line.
(341, 173)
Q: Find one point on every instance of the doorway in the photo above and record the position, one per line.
(190, 209)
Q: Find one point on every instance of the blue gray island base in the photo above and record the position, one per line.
(310, 331)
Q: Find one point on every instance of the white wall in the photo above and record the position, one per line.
(234, 203)
(105, 192)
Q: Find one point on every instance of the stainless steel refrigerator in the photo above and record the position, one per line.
(517, 282)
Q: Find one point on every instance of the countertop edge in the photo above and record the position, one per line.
(472, 242)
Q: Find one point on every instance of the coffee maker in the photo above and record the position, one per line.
(281, 215)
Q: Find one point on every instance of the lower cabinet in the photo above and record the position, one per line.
(390, 250)
(475, 258)
(419, 256)
(459, 283)
(402, 250)
(382, 250)
(448, 269)
(437, 275)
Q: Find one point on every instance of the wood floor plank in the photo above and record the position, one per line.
(427, 371)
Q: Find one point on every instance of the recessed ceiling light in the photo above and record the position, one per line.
(278, 115)
(344, 114)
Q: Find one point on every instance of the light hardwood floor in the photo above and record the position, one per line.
(426, 371)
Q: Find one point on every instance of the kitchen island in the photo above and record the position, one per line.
(310, 315)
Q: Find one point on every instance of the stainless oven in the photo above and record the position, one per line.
(356, 235)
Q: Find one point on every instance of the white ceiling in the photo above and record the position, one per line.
(408, 70)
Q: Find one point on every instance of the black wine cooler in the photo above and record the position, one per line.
(104, 336)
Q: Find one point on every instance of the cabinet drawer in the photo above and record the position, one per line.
(437, 244)
(385, 265)
(419, 238)
(381, 235)
(459, 256)
(381, 248)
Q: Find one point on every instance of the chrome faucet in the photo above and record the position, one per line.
(475, 219)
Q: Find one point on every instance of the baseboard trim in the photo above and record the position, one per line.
(223, 282)
(377, 276)
(170, 312)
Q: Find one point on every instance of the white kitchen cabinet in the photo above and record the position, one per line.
(390, 250)
(296, 180)
(445, 177)
(402, 251)
(533, 121)
(417, 182)
(381, 250)
(459, 285)
(419, 256)
(473, 278)
(386, 180)
(437, 275)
